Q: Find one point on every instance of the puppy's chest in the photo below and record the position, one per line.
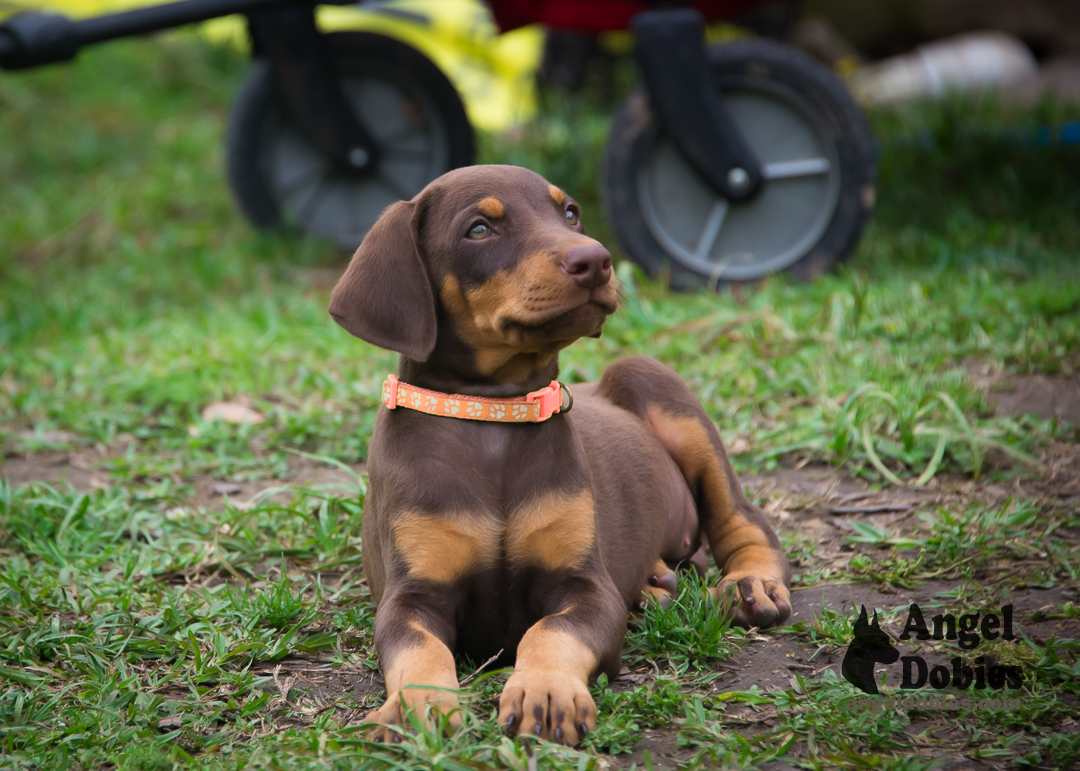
(552, 531)
(505, 501)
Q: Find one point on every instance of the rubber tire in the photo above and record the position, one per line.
(258, 104)
(636, 130)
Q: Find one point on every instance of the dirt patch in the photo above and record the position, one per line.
(84, 470)
(210, 492)
(304, 687)
(1048, 396)
(311, 687)
(1045, 396)
(662, 747)
(53, 467)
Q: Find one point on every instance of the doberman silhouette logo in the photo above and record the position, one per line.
(869, 645)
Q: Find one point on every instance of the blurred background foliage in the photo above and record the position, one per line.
(132, 293)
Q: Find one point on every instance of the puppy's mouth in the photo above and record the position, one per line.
(584, 320)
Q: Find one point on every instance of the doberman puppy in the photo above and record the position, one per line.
(513, 532)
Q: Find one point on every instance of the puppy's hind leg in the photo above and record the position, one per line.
(661, 586)
(742, 541)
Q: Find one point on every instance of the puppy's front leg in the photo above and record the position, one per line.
(417, 560)
(414, 653)
(548, 693)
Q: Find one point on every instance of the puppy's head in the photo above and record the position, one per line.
(489, 263)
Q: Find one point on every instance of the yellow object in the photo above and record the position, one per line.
(492, 72)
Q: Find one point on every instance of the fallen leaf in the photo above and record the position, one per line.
(232, 412)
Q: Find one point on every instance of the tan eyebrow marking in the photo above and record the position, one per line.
(491, 207)
(557, 195)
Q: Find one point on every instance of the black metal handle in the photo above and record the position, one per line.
(141, 21)
(33, 39)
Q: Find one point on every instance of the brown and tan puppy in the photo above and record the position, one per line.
(535, 539)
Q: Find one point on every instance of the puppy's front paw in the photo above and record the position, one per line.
(547, 704)
(390, 719)
(754, 601)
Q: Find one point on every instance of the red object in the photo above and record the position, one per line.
(595, 15)
(549, 399)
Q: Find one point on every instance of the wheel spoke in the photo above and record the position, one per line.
(395, 187)
(314, 203)
(386, 129)
(711, 229)
(402, 131)
(315, 172)
(808, 167)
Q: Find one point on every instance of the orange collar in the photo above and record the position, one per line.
(532, 408)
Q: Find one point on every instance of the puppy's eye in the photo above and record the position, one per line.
(571, 217)
(478, 231)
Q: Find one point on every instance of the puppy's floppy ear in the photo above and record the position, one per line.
(385, 295)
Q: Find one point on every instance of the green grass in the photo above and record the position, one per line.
(829, 629)
(687, 635)
(969, 543)
(141, 630)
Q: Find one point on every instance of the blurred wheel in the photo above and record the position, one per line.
(280, 179)
(818, 164)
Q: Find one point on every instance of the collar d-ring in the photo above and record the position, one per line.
(567, 401)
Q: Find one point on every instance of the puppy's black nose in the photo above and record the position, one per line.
(588, 264)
